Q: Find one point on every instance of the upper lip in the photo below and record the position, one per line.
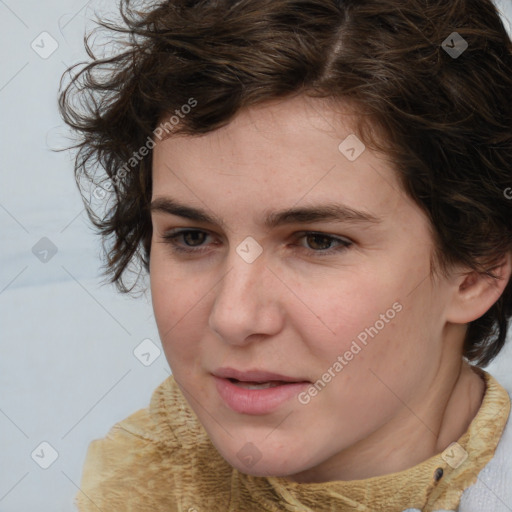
(254, 375)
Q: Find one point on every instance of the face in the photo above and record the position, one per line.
(285, 254)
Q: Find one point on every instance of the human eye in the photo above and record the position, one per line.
(318, 242)
(193, 240)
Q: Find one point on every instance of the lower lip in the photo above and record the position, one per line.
(256, 401)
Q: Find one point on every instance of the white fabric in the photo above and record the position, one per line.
(418, 510)
(492, 492)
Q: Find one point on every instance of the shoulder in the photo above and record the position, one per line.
(492, 491)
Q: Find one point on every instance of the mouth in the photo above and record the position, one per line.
(256, 392)
(256, 377)
(259, 385)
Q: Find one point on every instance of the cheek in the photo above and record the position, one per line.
(180, 331)
(368, 354)
(163, 291)
(387, 352)
(373, 325)
(353, 310)
(176, 301)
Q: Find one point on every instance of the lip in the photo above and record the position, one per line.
(256, 401)
(254, 375)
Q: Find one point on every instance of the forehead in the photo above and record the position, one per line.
(278, 125)
(285, 153)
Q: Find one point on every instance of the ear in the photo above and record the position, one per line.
(474, 294)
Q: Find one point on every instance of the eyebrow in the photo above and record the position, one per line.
(303, 215)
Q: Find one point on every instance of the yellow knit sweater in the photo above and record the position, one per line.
(160, 459)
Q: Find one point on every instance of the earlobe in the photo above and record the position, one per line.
(475, 293)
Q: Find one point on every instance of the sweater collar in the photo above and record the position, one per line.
(437, 483)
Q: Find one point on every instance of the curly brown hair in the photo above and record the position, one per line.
(446, 117)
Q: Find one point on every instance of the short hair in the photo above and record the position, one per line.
(445, 117)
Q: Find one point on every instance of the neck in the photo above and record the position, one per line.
(424, 429)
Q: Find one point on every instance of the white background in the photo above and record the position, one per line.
(67, 368)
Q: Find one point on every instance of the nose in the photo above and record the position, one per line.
(247, 303)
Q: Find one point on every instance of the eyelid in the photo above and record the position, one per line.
(300, 234)
(343, 243)
(171, 235)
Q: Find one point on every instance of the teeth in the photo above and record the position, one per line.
(254, 385)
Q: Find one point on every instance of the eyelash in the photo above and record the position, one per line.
(171, 238)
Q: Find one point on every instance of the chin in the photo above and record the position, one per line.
(248, 459)
(261, 469)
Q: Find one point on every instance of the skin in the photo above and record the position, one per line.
(407, 394)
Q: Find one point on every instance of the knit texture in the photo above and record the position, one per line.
(492, 492)
(160, 459)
